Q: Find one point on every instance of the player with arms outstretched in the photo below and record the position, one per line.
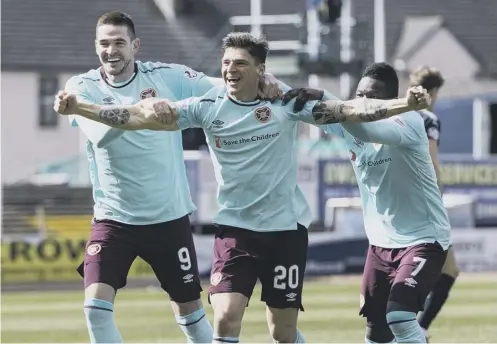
(142, 198)
(405, 220)
(432, 81)
(263, 215)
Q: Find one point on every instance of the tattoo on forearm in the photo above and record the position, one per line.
(330, 112)
(115, 116)
(370, 111)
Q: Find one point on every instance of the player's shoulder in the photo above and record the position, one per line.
(149, 66)
(411, 119)
(84, 81)
(210, 99)
(278, 105)
(214, 95)
(409, 116)
(168, 68)
(92, 74)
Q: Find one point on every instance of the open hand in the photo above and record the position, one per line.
(302, 96)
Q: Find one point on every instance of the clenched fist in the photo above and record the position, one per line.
(65, 103)
(161, 109)
(418, 98)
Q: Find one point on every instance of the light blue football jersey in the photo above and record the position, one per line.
(401, 202)
(138, 177)
(253, 149)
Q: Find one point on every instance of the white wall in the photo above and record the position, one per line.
(25, 145)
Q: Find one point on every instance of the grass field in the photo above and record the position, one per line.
(143, 315)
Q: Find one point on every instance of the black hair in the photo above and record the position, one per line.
(118, 18)
(385, 73)
(258, 47)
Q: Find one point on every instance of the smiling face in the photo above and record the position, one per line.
(241, 73)
(116, 49)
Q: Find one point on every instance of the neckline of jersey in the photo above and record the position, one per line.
(237, 102)
(120, 84)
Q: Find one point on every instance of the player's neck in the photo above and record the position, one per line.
(123, 77)
(244, 97)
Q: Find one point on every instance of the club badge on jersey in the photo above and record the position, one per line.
(263, 114)
(148, 93)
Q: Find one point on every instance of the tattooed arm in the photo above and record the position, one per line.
(131, 117)
(150, 113)
(153, 114)
(358, 110)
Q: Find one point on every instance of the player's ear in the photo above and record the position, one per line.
(262, 68)
(136, 45)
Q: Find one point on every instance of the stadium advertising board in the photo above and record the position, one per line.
(476, 250)
(477, 178)
(331, 255)
(56, 260)
(50, 260)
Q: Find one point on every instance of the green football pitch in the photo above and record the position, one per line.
(331, 315)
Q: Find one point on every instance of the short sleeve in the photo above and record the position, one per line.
(76, 85)
(193, 83)
(192, 112)
(305, 115)
(333, 129)
(401, 130)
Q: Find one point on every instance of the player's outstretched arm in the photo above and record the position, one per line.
(150, 113)
(357, 110)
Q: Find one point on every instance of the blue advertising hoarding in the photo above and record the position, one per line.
(459, 176)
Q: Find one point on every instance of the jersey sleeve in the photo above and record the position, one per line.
(193, 83)
(193, 111)
(76, 86)
(402, 130)
(99, 134)
(306, 114)
(333, 129)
